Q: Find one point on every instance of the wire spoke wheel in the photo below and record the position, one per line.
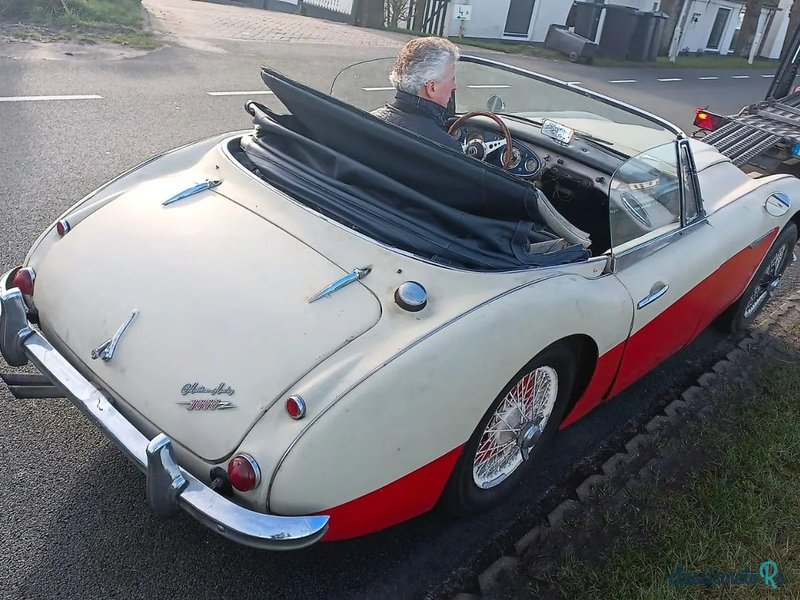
(515, 427)
(769, 281)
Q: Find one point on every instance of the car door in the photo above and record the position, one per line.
(660, 240)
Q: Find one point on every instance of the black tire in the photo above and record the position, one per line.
(462, 495)
(741, 314)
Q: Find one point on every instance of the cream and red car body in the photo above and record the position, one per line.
(221, 283)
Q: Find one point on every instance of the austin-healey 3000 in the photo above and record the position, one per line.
(327, 325)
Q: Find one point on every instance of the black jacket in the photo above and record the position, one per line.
(420, 116)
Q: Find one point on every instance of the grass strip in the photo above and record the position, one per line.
(741, 509)
(90, 21)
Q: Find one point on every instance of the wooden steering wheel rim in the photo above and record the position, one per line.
(507, 155)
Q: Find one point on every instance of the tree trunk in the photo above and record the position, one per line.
(749, 25)
(794, 23)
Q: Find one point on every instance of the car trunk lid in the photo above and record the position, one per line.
(223, 327)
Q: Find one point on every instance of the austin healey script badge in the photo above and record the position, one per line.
(212, 403)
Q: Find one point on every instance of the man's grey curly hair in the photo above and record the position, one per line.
(422, 60)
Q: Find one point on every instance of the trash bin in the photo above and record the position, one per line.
(618, 30)
(577, 47)
(369, 13)
(642, 39)
(661, 19)
(587, 18)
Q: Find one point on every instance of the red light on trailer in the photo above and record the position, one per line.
(24, 280)
(706, 120)
(243, 472)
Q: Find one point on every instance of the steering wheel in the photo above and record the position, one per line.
(481, 149)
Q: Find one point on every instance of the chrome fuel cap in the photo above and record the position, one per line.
(411, 296)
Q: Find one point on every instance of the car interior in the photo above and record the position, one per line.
(550, 207)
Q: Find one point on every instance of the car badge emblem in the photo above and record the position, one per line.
(106, 349)
(195, 189)
(207, 403)
(354, 275)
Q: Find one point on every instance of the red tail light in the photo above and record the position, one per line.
(24, 280)
(62, 227)
(243, 472)
(707, 120)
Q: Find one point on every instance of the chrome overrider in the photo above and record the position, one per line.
(169, 487)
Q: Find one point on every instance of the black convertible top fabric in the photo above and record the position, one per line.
(394, 186)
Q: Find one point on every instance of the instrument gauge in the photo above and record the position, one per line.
(457, 133)
(475, 135)
(516, 158)
(532, 165)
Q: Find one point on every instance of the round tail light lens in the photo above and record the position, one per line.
(243, 472)
(62, 227)
(24, 280)
(296, 407)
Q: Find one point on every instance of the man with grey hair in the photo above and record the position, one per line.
(424, 77)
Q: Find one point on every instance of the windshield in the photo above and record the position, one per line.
(504, 90)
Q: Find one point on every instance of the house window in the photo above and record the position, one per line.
(718, 28)
(518, 21)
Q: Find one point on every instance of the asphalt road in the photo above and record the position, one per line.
(74, 517)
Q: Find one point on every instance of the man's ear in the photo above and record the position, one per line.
(430, 88)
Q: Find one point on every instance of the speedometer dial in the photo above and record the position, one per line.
(475, 135)
(516, 158)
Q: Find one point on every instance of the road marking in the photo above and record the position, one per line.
(769, 76)
(378, 89)
(487, 87)
(573, 83)
(741, 76)
(40, 98)
(708, 78)
(623, 81)
(250, 93)
(671, 79)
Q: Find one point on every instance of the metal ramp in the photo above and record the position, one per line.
(741, 142)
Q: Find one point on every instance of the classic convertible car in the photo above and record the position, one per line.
(328, 325)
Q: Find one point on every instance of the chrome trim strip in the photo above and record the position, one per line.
(195, 189)
(652, 297)
(259, 530)
(352, 276)
(757, 242)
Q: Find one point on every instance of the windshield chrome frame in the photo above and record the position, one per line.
(679, 134)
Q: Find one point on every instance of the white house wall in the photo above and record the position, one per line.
(696, 34)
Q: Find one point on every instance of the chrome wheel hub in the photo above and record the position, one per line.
(515, 427)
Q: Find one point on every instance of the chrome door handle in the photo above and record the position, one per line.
(653, 296)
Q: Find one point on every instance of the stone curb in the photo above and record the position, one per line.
(622, 472)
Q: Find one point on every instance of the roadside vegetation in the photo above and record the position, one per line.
(704, 61)
(738, 511)
(90, 21)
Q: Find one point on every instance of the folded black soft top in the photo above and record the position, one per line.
(395, 186)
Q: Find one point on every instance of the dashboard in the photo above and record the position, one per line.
(581, 164)
(524, 160)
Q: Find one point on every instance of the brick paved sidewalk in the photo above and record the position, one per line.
(186, 20)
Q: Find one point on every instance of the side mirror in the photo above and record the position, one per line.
(495, 104)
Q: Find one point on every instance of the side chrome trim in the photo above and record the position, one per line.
(757, 243)
(168, 485)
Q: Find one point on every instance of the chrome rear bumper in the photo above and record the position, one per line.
(169, 487)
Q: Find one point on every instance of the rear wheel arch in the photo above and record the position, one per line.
(586, 355)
